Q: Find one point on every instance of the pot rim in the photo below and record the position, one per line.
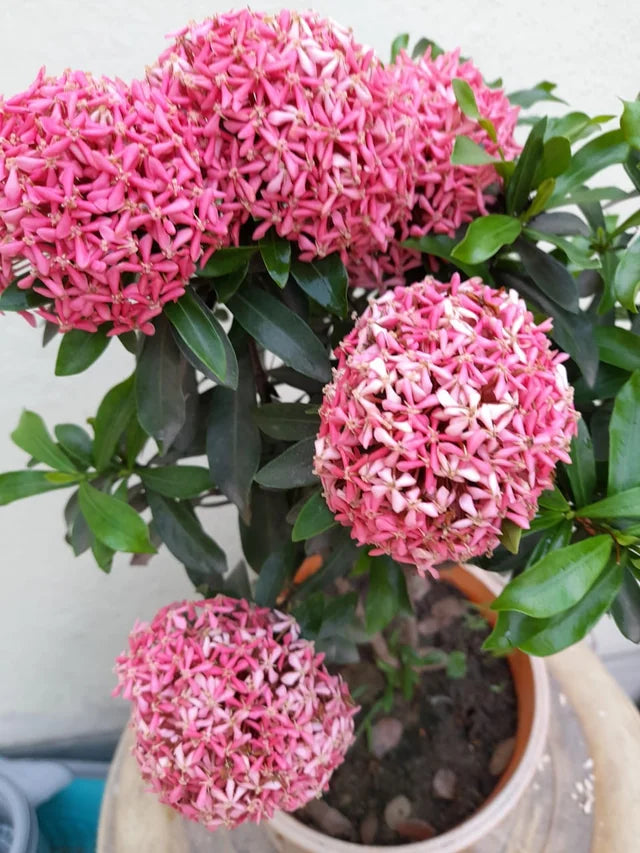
(507, 793)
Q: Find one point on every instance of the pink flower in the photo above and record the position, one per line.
(102, 204)
(447, 413)
(289, 123)
(235, 715)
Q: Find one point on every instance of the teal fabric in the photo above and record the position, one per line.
(69, 820)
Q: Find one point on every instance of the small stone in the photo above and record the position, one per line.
(447, 610)
(444, 784)
(415, 829)
(369, 829)
(386, 734)
(330, 820)
(502, 756)
(397, 810)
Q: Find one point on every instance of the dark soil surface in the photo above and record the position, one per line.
(456, 731)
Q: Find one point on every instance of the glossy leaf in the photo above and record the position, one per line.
(399, 43)
(233, 439)
(421, 47)
(181, 531)
(276, 256)
(605, 150)
(274, 573)
(630, 122)
(267, 531)
(543, 91)
(287, 421)
(14, 298)
(339, 564)
(32, 436)
(292, 468)
(574, 125)
(176, 481)
(552, 539)
(510, 536)
(618, 347)
(325, 280)
(227, 285)
(580, 257)
(552, 277)
(225, 261)
(103, 555)
(113, 522)
(553, 499)
(15, 485)
(511, 630)
(203, 335)
(540, 199)
(442, 246)
(624, 504)
(466, 152)
(159, 393)
(626, 282)
(556, 156)
(485, 236)
(559, 223)
(626, 607)
(558, 581)
(78, 350)
(315, 517)
(582, 471)
(624, 437)
(279, 330)
(465, 98)
(521, 182)
(76, 443)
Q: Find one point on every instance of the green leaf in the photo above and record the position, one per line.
(543, 91)
(456, 665)
(180, 530)
(381, 604)
(574, 125)
(580, 257)
(626, 607)
(203, 335)
(552, 277)
(558, 581)
(582, 471)
(422, 45)
(276, 256)
(78, 350)
(325, 281)
(558, 223)
(338, 613)
(603, 151)
(280, 331)
(14, 298)
(572, 625)
(626, 282)
(226, 261)
(552, 539)
(556, 156)
(276, 570)
(465, 98)
(233, 439)
(76, 443)
(587, 195)
(485, 236)
(343, 556)
(624, 438)
(618, 347)
(103, 555)
(541, 198)
(511, 630)
(31, 435)
(226, 285)
(15, 485)
(315, 517)
(466, 152)
(630, 122)
(114, 415)
(399, 43)
(268, 530)
(287, 421)
(292, 468)
(621, 505)
(521, 182)
(113, 522)
(510, 536)
(176, 481)
(632, 167)
(442, 246)
(553, 499)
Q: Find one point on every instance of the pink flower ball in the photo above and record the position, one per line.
(447, 413)
(290, 121)
(234, 714)
(102, 202)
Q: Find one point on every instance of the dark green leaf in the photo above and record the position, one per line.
(203, 335)
(31, 435)
(485, 236)
(13, 298)
(626, 281)
(632, 167)
(580, 257)
(129, 341)
(466, 152)
(287, 421)
(280, 331)
(521, 182)
(589, 195)
(605, 150)
(292, 468)
(276, 256)
(236, 583)
(325, 281)
(78, 350)
(626, 607)
(176, 481)
(399, 43)
(510, 536)
(465, 98)
(180, 530)
(338, 612)
(624, 432)
(233, 439)
(511, 630)
(339, 564)
(315, 517)
(630, 122)
(23, 484)
(226, 285)
(559, 223)
(288, 376)
(309, 613)
(268, 530)
(103, 555)
(558, 581)
(225, 261)
(423, 45)
(618, 347)
(382, 603)
(50, 331)
(552, 277)
(135, 439)
(113, 522)
(526, 98)
(276, 570)
(81, 538)
(582, 471)
(442, 246)
(624, 504)
(76, 443)
(551, 540)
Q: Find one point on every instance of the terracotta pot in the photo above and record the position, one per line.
(532, 691)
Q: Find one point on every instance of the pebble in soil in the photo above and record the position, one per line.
(455, 733)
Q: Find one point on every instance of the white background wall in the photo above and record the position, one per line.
(62, 621)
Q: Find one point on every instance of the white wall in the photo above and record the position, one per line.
(62, 621)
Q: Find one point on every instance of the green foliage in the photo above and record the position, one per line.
(292, 468)
(314, 518)
(78, 350)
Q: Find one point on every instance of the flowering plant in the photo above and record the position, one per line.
(397, 336)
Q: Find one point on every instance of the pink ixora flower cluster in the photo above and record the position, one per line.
(235, 715)
(447, 414)
(102, 196)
